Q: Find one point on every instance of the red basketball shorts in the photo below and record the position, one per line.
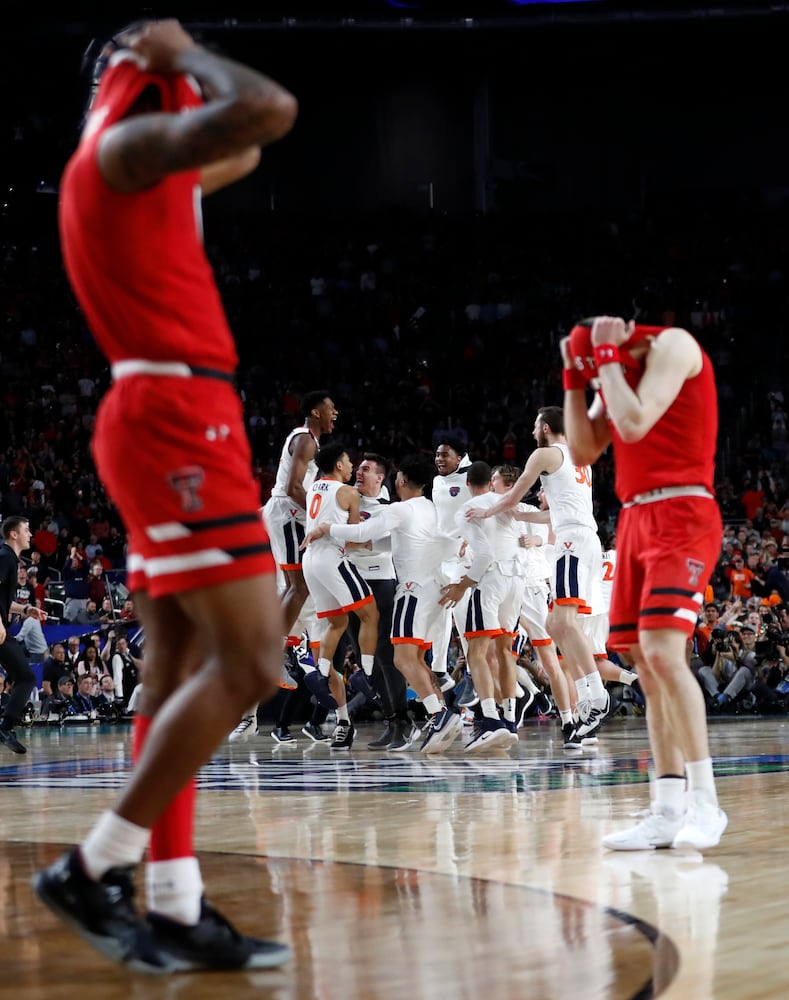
(174, 457)
(666, 552)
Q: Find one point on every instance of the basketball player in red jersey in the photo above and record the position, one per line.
(657, 403)
(169, 122)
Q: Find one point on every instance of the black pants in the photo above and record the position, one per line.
(15, 662)
(388, 682)
(299, 704)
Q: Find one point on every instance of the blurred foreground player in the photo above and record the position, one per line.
(657, 402)
(170, 122)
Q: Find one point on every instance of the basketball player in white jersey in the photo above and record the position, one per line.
(536, 556)
(335, 584)
(596, 626)
(494, 588)
(449, 492)
(374, 562)
(418, 550)
(576, 570)
(284, 515)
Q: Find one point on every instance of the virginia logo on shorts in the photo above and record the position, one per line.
(187, 482)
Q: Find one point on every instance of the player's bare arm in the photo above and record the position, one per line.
(303, 451)
(541, 460)
(244, 109)
(586, 430)
(673, 357)
(532, 517)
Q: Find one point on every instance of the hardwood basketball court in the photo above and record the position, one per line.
(406, 877)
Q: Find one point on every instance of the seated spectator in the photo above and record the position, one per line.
(740, 670)
(106, 694)
(83, 698)
(107, 612)
(73, 653)
(55, 667)
(109, 707)
(128, 614)
(60, 703)
(90, 662)
(713, 622)
(88, 615)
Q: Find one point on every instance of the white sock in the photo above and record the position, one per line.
(367, 663)
(529, 684)
(583, 690)
(596, 687)
(112, 843)
(508, 708)
(670, 796)
(342, 713)
(432, 704)
(701, 780)
(488, 706)
(324, 665)
(174, 889)
(566, 715)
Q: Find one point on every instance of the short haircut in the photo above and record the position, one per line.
(416, 470)
(12, 523)
(553, 416)
(329, 455)
(478, 474)
(509, 473)
(312, 399)
(455, 443)
(380, 461)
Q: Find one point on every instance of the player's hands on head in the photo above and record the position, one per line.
(611, 330)
(160, 43)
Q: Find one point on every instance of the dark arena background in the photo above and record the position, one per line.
(463, 182)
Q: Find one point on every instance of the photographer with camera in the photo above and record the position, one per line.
(772, 685)
(776, 578)
(735, 664)
(745, 670)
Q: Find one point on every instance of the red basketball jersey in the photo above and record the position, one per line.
(680, 448)
(136, 261)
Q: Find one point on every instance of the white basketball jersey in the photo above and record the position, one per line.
(280, 488)
(534, 560)
(609, 572)
(322, 508)
(569, 493)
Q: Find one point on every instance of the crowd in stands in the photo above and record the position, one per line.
(418, 324)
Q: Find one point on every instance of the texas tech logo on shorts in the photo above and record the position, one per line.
(187, 482)
(695, 569)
